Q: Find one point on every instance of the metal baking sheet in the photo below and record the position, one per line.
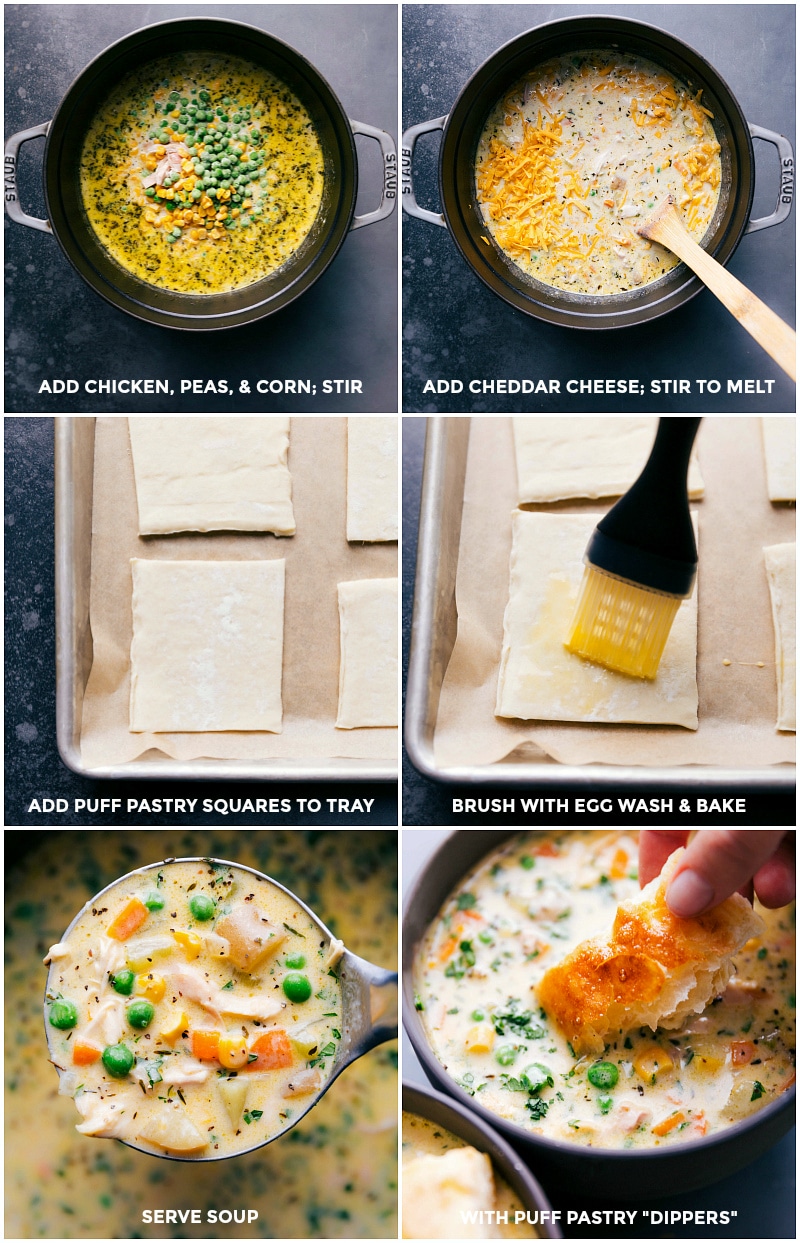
(74, 472)
(433, 634)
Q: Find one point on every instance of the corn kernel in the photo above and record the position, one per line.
(151, 986)
(176, 1023)
(190, 943)
(480, 1038)
(651, 1062)
(233, 1051)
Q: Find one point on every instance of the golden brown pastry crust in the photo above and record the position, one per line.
(652, 971)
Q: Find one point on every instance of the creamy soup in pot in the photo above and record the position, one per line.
(423, 1138)
(578, 153)
(193, 1009)
(201, 173)
(520, 912)
(334, 1175)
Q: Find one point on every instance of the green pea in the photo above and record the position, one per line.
(202, 907)
(603, 1075)
(63, 1015)
(297, 987)
(122, 981)
(154, 901)
(118, 1060)
(478, 1016)
(140, 1013)
(505, 1055)
(295, 961)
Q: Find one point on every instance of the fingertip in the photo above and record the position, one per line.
(689, 894)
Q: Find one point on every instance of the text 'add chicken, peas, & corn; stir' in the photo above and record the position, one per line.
(193, 1048)
(504, 970)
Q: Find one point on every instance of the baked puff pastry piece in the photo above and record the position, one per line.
(653, 970)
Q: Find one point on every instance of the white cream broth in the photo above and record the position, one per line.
(578, 153)
(519, 913)
(421, 1138)
(194, 1010)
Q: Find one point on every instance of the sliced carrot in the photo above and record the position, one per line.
(205, 1046)
(669, 1124)
(274, 1051)
(547, 851)
(742, 1052)
(619, 863)
(447, 948)
(129, 919)
(85, 1054)
(700, 1125)
(474, 915)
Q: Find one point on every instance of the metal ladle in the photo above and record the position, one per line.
(369, 1002)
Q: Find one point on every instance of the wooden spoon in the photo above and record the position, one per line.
(665, 226)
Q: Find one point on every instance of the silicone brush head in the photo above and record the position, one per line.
(620, 625)
(640, 563)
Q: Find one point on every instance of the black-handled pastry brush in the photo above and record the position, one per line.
(640, 563)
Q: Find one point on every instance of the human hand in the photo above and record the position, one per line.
(717, 863)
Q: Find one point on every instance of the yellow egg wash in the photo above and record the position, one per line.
(333, 1176)
(578, 153)
(422, 1138)
(521, 911)
(201, 174)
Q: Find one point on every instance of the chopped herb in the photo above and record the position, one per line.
(758, 1090)
(465, 901)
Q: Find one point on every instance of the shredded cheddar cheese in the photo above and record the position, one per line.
(578, 153)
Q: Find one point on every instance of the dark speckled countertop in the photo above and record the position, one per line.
(454, 327)
(33, 768)
(344, 327)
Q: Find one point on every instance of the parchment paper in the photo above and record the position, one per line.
(738, 702)
(317, 558)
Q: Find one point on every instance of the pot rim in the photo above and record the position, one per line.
(416, 1098)
(438, 864)
(595, 316)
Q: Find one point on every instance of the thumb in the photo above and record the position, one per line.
(717, 863)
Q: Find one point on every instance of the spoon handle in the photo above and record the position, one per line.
(767, 328)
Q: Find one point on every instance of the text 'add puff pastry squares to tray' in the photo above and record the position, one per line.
(539, 679)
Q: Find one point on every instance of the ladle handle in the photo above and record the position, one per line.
(13, 206)
(369, 996)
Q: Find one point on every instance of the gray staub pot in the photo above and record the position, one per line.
(67, 220)
(475, 1132)
(462, 128)
(623, 1175)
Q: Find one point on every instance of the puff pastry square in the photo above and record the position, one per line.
(212, 474)
(653, 969)
(779, 436)
(368, 653)
(541, 680)
(559, 459)
(781, 563)
(371, 478)
(207, 647)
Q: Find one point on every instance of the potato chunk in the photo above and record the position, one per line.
(234, 1094)
(173, 1131)
(250, 935)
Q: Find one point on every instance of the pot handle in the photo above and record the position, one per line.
(786, 193)
(389, 191)
(410, 203)
(13, 207)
